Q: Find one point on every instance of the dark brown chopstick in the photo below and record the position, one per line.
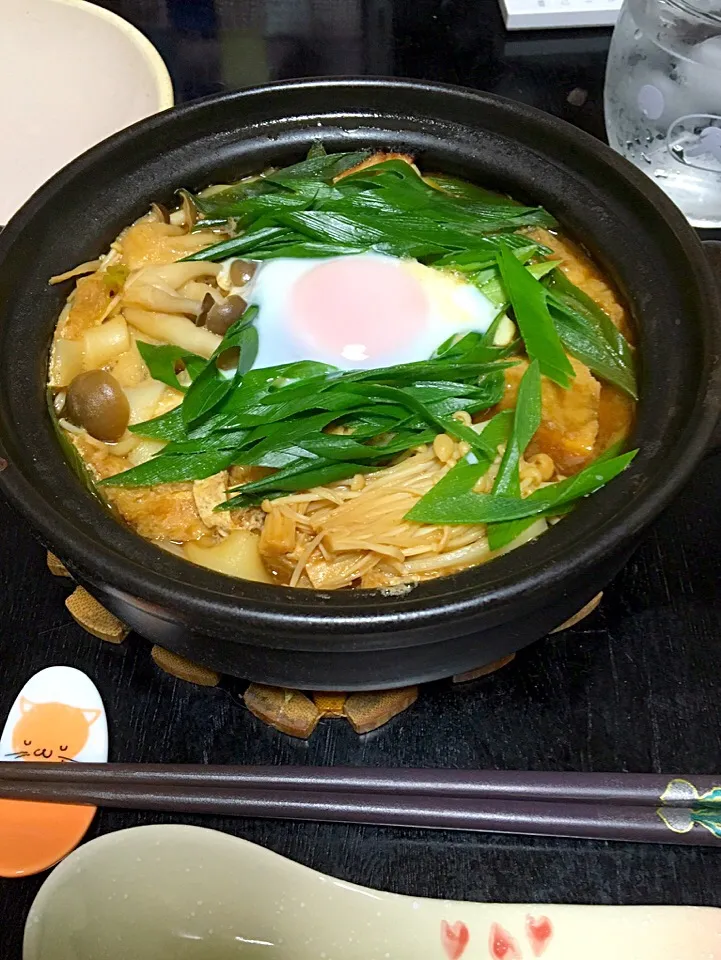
(623, 789)
(536, 818)
(593, 806)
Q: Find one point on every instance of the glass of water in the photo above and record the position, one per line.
(663, 99)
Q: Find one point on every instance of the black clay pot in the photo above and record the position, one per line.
(361, 639)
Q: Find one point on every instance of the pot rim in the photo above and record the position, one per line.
(273, 608)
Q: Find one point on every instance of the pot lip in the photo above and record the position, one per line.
(271, 607)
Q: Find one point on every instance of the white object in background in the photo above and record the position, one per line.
(663, 100)
(71, 74)
(179, 891)
(556, 14)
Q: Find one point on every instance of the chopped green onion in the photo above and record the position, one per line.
(461, 505)
(590, 335)
(162, 361)
(526, 420)
(528, 299)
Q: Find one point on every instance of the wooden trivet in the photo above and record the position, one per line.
(184, 669)
(297, 714)
(93, 617)
(292, 712)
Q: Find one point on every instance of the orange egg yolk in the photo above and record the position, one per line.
(358, 310)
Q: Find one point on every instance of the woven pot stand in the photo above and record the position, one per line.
(290, 711)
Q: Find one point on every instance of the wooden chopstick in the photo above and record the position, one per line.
(534, 818)
(623, 789)
(591, 806)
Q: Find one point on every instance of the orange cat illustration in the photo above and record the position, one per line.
(51, 731)
(57, 717)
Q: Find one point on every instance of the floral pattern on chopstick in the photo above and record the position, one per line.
(703, 810)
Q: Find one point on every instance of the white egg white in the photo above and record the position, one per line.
(454, 306)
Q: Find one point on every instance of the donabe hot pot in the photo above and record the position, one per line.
(359, 639)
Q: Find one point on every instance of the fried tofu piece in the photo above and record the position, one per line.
(375, 158)
(149, 242)
(129, 368)
(90, 301)
(164, 512)
(615, 418)
(513, 376)
(213, 490)
(239, 474)
(248, 518)
(281, 567)
(207, 494)
(278, 536)
(569, 420)
(569, 417)
(99, 462)
(584, 273)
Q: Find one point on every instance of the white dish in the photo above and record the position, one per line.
(71, 74)
(170, 892)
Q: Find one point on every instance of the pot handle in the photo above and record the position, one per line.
(712, 249)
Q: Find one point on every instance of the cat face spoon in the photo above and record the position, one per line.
(57, 717)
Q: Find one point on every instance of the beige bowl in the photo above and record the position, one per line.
(173, 892)
(71, 74)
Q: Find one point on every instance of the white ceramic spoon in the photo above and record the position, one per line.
(175, 892)
(58, 717)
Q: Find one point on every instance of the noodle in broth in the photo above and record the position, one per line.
(145, 328)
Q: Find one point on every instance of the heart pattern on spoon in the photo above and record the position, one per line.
(454, 938)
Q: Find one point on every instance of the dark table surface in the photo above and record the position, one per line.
(635, 687)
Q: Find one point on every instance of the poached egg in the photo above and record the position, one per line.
(358, 311)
